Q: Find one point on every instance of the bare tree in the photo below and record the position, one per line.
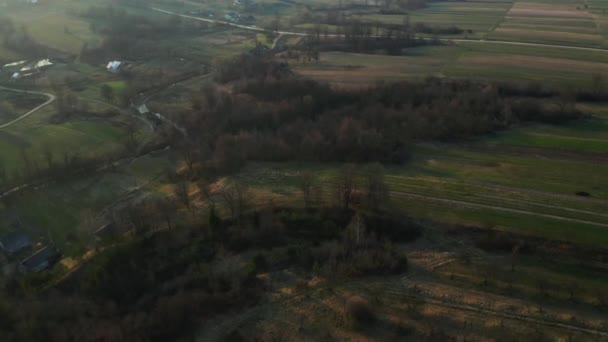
(48, 156)
(598, 83)
(3, 173)
(165, 207)
(514, 254)
(378, 192)
(189, 153)
(235, 196)
(27, 163)
(182, 193)
(346, 185)
(107, 92)
(305, 182)
(130, 143)
(566, 101)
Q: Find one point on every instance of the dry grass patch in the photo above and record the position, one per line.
(528, 9)
(527, 35)
(552, 28)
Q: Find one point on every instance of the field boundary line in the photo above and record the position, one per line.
(447, 40)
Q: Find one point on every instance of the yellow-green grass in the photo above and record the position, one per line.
(498, 220)
(341, 68)
(558, 280)
(8, 56)
(221, 44)
(280, 182)
(476, 25)
(488, 184)
(117, 86)
(552, 71)
(547, 37)
(552, 175)
(480, 23)
(537, 51)
(60, 31)
(547, 10)
(549, 23)
(564, 23)
(551, 28)
(557, 141)
(35, 134)
(70, 211)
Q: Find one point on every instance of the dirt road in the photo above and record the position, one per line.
(50, 99)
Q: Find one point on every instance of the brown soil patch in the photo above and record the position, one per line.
(542, 63)
(546, 10)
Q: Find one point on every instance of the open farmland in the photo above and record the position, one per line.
(465, 60)
(67, 212)
(561, 24)
(350, 69)
(303, 170)
(528, 185)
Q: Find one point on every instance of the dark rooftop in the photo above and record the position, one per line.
(15, 242)
(41, 260)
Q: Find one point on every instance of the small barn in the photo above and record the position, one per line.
(113, 66)
(41, 260)
(14, 243)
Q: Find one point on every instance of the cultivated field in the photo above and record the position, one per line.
(544, 181)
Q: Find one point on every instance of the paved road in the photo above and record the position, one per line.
(50, 98)
(304, 34)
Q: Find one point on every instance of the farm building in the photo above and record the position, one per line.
(14, 64)
(14, 243)
(242, 2)
(113, 66)
(234, 17)
(43, 63)
(16, 76)
(41, 260)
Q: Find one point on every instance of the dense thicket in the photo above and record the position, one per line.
(162, 286)
(273, 116)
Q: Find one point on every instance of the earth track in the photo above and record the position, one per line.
(50, 99)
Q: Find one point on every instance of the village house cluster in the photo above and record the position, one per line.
(17, 246)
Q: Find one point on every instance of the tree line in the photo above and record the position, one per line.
(271, 115)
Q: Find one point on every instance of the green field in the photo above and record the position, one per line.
(71, 211)
(33, 135)
(524, 181)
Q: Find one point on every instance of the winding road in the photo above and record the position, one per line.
(304, 34)
(50, 99)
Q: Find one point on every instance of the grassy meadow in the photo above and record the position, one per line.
(530, 183)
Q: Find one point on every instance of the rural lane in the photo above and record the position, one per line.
(50, 98)
(456, 40)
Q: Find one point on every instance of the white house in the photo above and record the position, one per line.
(39, 65)
(113, 66)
